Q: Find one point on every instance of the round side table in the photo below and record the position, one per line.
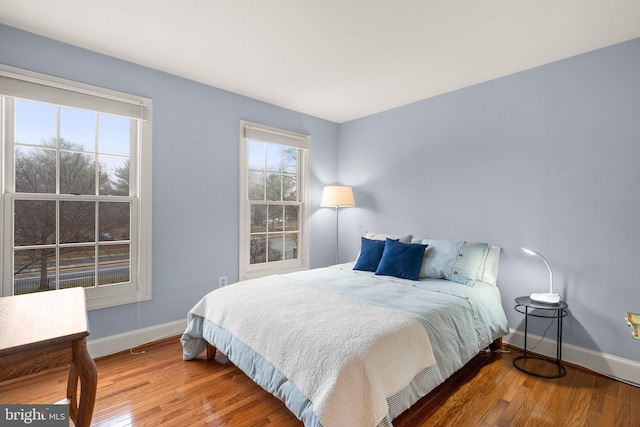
(558, 311)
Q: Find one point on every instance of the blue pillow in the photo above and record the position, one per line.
(401, 260)
(370, 254)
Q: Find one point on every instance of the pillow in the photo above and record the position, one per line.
(460, 262)
(490, 273)
(401, 260)
(404, 238)
(370, 254)
(439, 258)
(468, 267)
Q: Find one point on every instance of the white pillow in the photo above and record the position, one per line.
(490, 273)
(403, 238)
(468, 267)
(439, 258)
(461, 262)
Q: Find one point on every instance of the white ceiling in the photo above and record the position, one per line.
(334, 59)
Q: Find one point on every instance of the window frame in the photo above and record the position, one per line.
(18, 83)
(258, 132)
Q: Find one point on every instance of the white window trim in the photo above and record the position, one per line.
(249, 130)
(15, 82)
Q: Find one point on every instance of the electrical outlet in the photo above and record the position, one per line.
(223, 281)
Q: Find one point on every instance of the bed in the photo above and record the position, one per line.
(358, 343)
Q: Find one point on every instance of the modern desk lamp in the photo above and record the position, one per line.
(547, 297)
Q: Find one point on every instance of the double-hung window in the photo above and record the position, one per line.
(274, 201)
(76, 189)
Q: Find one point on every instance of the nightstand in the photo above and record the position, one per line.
(558, 311)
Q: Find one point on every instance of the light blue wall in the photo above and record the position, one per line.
(195, 173)
(547, 159)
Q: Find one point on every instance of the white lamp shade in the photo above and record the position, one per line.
(337, 196)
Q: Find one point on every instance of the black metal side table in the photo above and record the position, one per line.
(558, 311)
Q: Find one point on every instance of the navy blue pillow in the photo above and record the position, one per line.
(370, 254)
(401, 260)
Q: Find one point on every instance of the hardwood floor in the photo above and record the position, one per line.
(158, 388)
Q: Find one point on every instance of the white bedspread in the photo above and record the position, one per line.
(350, 356)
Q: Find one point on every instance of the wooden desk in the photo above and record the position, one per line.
(45, 330)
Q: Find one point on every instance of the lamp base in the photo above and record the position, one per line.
(545, 298)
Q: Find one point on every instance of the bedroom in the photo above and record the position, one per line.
(544, 158)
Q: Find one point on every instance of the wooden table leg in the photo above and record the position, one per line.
(84, 368)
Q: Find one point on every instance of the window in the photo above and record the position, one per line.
(274, 200)
(76, 188)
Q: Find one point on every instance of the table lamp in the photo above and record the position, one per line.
(547, 297)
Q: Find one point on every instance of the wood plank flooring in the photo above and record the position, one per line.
(158, 388)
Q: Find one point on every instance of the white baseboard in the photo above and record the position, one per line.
(116, 343)
(606, 364)
(625, 370)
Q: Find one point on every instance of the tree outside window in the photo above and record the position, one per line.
(274, 201)
(70, 228)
